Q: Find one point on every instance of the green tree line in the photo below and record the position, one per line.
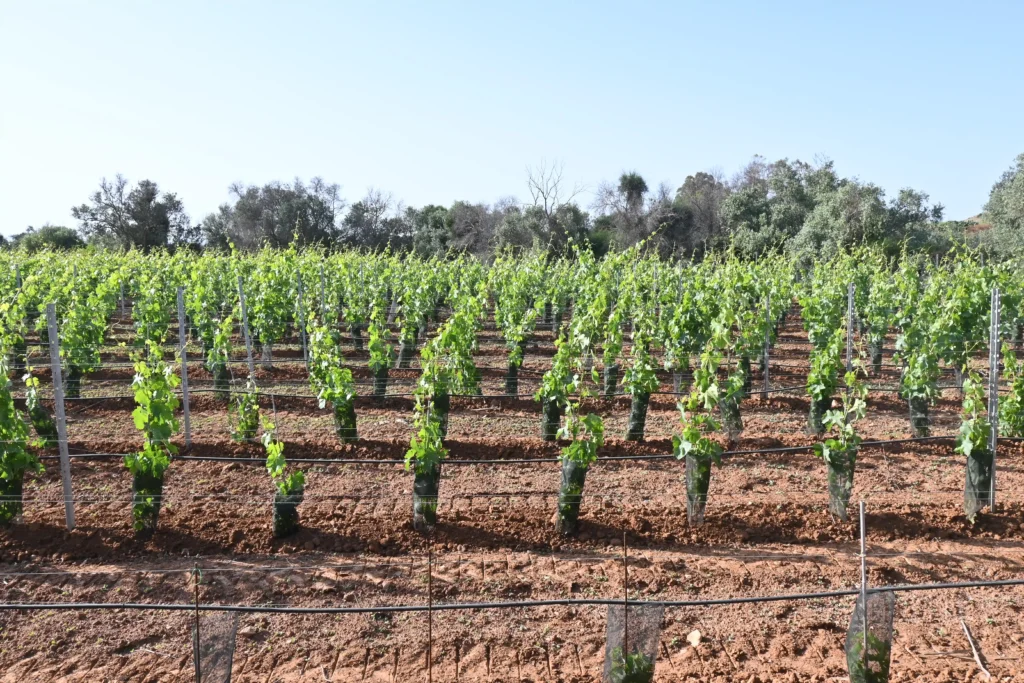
(807, 210)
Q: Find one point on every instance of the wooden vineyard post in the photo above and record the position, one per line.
(184, 366)
(993, 391)
(58, 409)
(245, 329)
(122, 297)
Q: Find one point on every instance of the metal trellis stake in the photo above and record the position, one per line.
(184, 366)
(864, 583)
(245, 329)
(767, 338)
(323, 295)
(196, 647)
(625, 596)
(993, 390)
(24, 321)
(393, 308)
(302, 321)
(58, 409)
(430, 607)
(849, 326)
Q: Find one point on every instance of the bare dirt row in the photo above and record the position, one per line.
(767, 532)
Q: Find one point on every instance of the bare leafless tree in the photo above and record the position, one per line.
(607, 200)
(329, 193)
(378, 205)
(376, 221)
(504, 204)
(628, 205)
(547, 190)
(755, 173)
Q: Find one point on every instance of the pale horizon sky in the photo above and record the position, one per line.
(437, 102)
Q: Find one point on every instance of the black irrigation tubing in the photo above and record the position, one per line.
(401, 395)
(474, 396)
(563, 602)
(514, 461)
(392, 381)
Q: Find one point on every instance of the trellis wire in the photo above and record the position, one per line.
(468, 559)
(519, 461)
(566, 602)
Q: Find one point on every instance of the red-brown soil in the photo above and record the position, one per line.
(767, 532)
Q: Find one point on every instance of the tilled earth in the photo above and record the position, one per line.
(767, 532)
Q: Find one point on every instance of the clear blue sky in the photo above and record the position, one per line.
(443, 101)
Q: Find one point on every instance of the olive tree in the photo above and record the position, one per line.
(138, 216)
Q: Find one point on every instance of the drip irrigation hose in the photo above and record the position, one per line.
(566, 602)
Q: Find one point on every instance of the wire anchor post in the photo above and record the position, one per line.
(58, 409)
(864, 581)
(245, 329)
(767, 339)
(851, 288)
(302, 320)
(182, 342)
(993, 390)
